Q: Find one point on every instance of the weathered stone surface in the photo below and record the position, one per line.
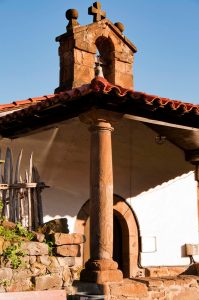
(38, 269)
(68, 250)
(8, 225)
(25, 261)
(66, 261)
(44, 259)
(1, 244)
(5, 274)
(128, 289)
(152, 282)
(101, 264)
(39, 295)
(57, 225)
(47, 282)
(67, 239)
(32, 259)
(164, 271)
(35, 248)
(24, 284)
(76, 271)
(2, 289)
(6, 244)
(38, 236)
(20, 274)
(54, 266)
(66, 275)
(186, 295)
(80, 49)
(101, 277)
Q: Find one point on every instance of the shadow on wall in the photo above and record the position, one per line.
(61, 203)
(144, 163)
(62, 158)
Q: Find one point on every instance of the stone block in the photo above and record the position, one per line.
(158, 295)
(35, 248)
(66, 261)
(39, 295)
(75, 272)
(20, 274)
(68, 239)
(68, 250)
(6, 244)
(44, 259)
(25, 261)
(129, 289)
(101, 277)
(57, 225)
(48, 282)
(39, 237)
(38, 269)
(186, 295)
(8, 225)
(78, 55)
(54, 266)
(32, 259)
(24, 284)
(66, 275)
(5, 274)
(1, 244)
(164, 271)
(101, 265)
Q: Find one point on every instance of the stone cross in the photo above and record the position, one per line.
(96, 11)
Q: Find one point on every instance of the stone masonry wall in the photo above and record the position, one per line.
(38, 270)
(171, 288)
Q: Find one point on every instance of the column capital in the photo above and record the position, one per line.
(100, 118)
(192, 156)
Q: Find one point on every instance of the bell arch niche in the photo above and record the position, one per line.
(106, 51)
(126, 245)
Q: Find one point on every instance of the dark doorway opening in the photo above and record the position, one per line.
(117, 242)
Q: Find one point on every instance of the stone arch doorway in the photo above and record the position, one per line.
(126, 246)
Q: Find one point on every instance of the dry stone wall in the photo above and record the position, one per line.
(38, 270)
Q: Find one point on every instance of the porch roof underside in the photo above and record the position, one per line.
(176, 120)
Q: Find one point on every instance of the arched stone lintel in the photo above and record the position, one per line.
(129, 226)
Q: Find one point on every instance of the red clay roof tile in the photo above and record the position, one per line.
(100, 85)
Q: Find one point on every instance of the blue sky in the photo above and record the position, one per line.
(166, 33)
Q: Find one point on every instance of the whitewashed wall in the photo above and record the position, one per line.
(167, 216)
(154, 179)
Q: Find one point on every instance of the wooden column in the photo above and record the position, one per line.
(101, 268)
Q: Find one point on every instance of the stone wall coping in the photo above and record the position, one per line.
(36, 295)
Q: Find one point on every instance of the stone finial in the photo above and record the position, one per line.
(96, 11)
(120, 26)
(72, 16)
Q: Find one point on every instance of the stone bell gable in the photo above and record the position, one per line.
(80, 46)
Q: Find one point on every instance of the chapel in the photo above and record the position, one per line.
(121, 165)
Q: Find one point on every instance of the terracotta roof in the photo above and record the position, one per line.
(101, 85)
(26, 115)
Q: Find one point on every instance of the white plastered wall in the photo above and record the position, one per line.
(154, 179)
(161, 189)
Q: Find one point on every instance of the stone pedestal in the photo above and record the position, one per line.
(101, 268)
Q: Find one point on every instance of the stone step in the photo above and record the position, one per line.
(35, 295)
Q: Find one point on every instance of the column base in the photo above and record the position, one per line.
(101, 271)
(101, 277)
